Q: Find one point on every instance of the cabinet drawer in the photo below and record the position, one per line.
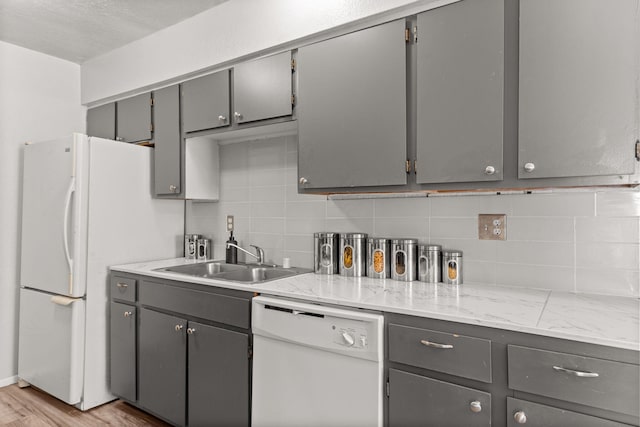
(588, 381)
(123, 288)
(453, 354)
(535, 415)
(415, 400)
(216, 307)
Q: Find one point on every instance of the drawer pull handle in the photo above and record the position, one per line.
(520, 417)
(435, 344)
(122, 285)
(576, 373)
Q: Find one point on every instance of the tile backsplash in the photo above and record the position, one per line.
(582, 241)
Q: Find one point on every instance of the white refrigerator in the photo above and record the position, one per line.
(86, 205)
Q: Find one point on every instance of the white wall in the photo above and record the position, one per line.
(582, 241)
(232, 30)
(39, 99)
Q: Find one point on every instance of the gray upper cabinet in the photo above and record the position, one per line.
(133, 123)
(101, 121)
(460, 63)
(206, 102)
(167, 159)
(578, 87)
(262, 88)
(351, 113)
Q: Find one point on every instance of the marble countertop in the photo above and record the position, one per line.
(597, 319)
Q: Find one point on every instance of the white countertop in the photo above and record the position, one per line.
(597, 319)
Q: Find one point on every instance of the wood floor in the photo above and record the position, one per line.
(34, 408)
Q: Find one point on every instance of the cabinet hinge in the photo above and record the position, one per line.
(293, 100)
(151, 101)
(151, 127)
(407, 166)
(250, 353)
(638, 150)
(415, 34)
(387, 389)
(407, 35)
(415, 166)
(293, 64)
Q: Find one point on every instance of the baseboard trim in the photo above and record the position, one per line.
(8, 381)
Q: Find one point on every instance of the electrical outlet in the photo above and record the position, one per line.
(229, 222)
(492, 227)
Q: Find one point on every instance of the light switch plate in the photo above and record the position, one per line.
(492, 227)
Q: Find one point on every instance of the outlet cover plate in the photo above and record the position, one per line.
(492, 227)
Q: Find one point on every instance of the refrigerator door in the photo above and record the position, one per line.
(51, 346)
(52, 217)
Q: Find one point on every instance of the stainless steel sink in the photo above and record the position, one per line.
(241, 273)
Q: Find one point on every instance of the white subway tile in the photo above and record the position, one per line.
(311, 209)
(535, 276)
(229, 193)
(305, 226)
(234, 156)
(267, 177)
(292, 195)
(267, 241)
(546, 229)
(412, 228)
(268, 225)
(536, 253)
(268, 194)
(402, 207)
(608, 255)
(300, 259)
(300, 243)
(478, 272)
(234, 178)
(362, 208)
(267, 209)
(267, 154)
(458, 228)
(554, 204)
(472, 249)
(349, 225)
(610, 281)
(470, 205)
(608, 229)
(623, 203)
(237, 209)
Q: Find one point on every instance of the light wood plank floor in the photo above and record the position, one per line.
(34, 408)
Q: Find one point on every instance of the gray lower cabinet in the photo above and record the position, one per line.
(188, 359)
(133, 119)
(123, 350)
(578, 88)
(416, 400)
(460, 79)
(167, 147)
(101, 121)
(521, 412)
(352, 129)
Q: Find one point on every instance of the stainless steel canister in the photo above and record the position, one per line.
(452, 266)
(430, 263)
(204, 249)
(353, 254)
(191, 245)
(325, 254)
(378, 257)
(403, 259)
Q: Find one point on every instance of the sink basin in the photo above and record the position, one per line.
(242, 273)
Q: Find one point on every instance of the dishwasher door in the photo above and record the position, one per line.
(315, 365)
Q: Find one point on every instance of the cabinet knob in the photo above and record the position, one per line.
(303, 180)
(237, 115)
(489, 170)
(127, 314)
(529, 167)
(191, 331)
(119, 138)
(222, 118)
(520, 417)
(173, 188)
(179, 328)
(475, 406)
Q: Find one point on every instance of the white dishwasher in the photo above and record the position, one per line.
(315, 365)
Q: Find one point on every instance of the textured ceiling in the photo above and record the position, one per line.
(77, 30)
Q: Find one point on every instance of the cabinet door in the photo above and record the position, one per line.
(167, 159)
(205, 102)
(123, 351)
(578, 87)
(134, 119)
(218, 376)
(162, 367)
(460, 55)
(101, 121)
(262, 88)
(535, 415)
(415, 400)
(352, 109)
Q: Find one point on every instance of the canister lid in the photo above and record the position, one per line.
(378, 239)
(452, 252)
(354, 235)
(325, 234)
(430, 247)
(404, 241)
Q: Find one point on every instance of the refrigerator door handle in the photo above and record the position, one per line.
(67, 206)
(62, 300)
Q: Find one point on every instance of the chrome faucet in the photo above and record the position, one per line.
(259, 255)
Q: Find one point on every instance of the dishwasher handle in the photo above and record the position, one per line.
(292, 311)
